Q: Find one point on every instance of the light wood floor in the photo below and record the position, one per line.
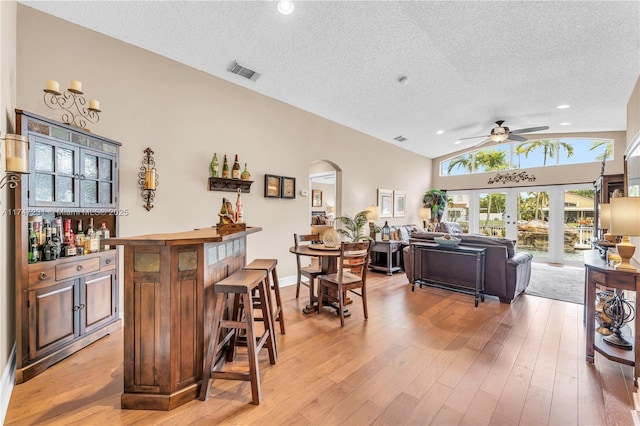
(427, 357)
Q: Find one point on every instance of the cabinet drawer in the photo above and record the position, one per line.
(74, 269)
(108, 260)
(597, 277)
(42, 274)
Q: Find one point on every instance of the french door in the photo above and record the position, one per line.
(553, 223)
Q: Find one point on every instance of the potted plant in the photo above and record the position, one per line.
(353, 227)
(436, 200)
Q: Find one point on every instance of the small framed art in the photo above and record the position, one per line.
(272, 186)
(385, 202)
(316, 198)
(399, 199)
(288, 189)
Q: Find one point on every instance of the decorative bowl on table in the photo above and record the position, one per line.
(449, 242)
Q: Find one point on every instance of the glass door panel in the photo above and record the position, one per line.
(578, 223)
(533, 223)
(492, 214)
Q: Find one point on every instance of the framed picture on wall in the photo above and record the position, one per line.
(385, 202)
(316, 198)
(272, 186)
(399, 199)
(288, 187)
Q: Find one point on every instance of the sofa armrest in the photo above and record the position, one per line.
(520, 258)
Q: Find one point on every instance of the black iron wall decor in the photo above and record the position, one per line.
(513, 177)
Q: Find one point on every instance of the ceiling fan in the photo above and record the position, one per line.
(502, 133)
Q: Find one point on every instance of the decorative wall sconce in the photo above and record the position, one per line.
(16, 151)
(72, 103)
(148, 179)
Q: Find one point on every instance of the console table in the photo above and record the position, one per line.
(471, 260)
(391, 249)
(598, 273)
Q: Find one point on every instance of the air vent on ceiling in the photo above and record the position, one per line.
(245, 72)
(400, 138)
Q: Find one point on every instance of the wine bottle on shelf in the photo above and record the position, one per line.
(79, 238)
(49, 249)
(56, 238)
(235, 171)
(239, 209)
(68, 243)
(214, 165)
(91, 242)
(245, 173)
(32, 255)
(104, 233)
(225, 168)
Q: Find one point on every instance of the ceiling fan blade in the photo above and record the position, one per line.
(530, 129)
(483, 142)
(516, 138)
(474, 137)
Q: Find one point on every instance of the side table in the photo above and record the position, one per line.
(392, 249)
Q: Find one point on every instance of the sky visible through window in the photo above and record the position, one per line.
(531, 154)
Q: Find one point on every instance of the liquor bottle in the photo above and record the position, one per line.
(43, 238)
(79, 238)
(225, 168)
(223, 211)
(214, 165)
(235, 171)
(49, 249)
(239, 209)
(104, 234)
(68, 244)
(91, 243)
(245, 173)
(32, 255)
(55, 240)
(386, 232)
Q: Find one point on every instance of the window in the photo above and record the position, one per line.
(528, 154)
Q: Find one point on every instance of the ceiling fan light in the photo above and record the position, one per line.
(499, 135)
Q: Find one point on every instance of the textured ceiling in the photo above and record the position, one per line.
(468, 63)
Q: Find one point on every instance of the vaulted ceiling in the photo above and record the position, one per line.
(465, 64)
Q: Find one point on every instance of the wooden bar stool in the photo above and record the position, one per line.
(240, 285)
(269, 265)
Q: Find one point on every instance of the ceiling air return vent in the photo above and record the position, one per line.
(400, 138)
(245, 72)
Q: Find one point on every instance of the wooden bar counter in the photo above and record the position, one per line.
(168, 292)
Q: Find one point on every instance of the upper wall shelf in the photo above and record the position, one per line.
(229, 185)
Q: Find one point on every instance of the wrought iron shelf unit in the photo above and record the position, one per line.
(229, 185)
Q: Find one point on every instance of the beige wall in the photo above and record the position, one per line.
(550, 175)
(185, 116)
(7, 122)
(633, 113)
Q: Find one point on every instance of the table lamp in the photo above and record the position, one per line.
(425, 213)
(625, 221)
(605, 222)
(373, 214)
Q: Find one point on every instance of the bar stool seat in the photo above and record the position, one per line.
(269, 265)
(240, 284)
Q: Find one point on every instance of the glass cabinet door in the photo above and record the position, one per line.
(97, 179)
(54, 172)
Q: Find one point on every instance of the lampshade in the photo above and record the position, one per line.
(625, 221)
(625, 216)
(373, 213)
(605, 216)
(425, 213)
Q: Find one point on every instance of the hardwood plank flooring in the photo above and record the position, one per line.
(423, 357)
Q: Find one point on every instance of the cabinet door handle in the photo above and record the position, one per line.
(108, 261)
(79, 268)
(82, 177)
(43, 276)
(75, 307)
(76, 176)
(82, 306)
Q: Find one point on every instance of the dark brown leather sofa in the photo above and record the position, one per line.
(507, 272)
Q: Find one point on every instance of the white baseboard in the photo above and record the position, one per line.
(287, 281)
(6, 384)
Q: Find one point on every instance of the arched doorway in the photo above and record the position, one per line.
(325, 188)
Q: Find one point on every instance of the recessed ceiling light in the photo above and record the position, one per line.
(439, 132)
(563, 106)
(457, 142)
(566, 123)
(285, 7)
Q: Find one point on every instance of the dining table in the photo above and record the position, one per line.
(328, 257)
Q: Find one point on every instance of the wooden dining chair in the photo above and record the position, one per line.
(309, 271)
(351, 275)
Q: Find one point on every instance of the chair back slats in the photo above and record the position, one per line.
(354, 258)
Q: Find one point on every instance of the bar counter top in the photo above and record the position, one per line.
(197, 236)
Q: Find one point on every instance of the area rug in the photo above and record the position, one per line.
(557, 282)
